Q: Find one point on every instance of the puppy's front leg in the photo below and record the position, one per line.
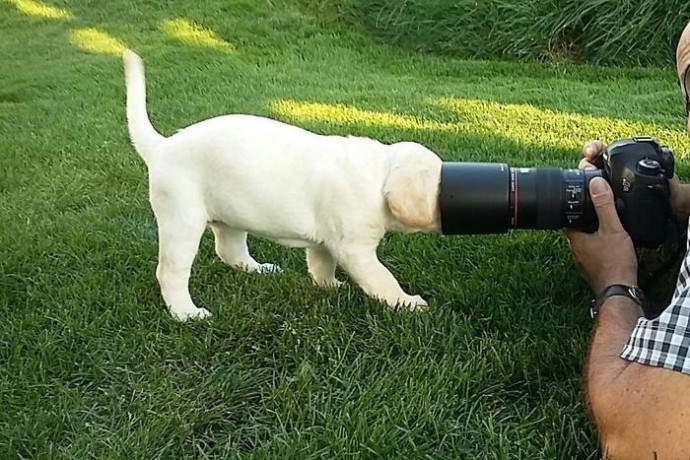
(362, 263)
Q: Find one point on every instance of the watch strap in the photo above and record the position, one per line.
(632, 292)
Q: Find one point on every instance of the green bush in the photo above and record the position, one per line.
(620, 32)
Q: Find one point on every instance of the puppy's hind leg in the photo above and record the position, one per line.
(179, 233)
(321, 266)
(231, 247)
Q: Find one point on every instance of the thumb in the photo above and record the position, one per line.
(602, 199)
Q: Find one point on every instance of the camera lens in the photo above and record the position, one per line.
(493, 198)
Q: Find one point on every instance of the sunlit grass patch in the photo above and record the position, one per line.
(521, 123)
(36, 8)
(96, 41)
(533, 125)
(190, 33)
(342, 114)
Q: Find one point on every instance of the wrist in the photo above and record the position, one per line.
(630, 294)
(624, 279)
(620, 303)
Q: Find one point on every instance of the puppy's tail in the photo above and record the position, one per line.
(143, 135)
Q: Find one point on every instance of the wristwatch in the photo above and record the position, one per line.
(632, 292)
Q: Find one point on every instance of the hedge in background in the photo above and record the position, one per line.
(620, 32)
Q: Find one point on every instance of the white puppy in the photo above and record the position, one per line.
(335, 196)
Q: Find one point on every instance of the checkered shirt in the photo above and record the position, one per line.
(665, 341)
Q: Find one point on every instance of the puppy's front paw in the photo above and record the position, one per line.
(190, 314)
(413, 303)
(268, 268)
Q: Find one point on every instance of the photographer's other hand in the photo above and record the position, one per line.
(607, 256)
(590, 152)
(680, 199)
(679, 193)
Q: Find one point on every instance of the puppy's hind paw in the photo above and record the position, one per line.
(190, 314)
(335, 284)
(268, 268)
(329, 283)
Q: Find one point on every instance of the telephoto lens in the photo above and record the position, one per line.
(495, 198)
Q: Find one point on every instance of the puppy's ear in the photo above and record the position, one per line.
(683, 67)
(411, 190)
(684, 80)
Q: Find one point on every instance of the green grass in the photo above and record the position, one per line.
(91, 364)
(609, 32)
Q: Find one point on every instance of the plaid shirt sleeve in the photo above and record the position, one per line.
(665, 341)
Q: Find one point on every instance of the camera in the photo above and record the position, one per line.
(494, 198)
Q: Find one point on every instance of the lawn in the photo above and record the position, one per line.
(92, 365)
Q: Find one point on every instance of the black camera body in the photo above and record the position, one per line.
(638, 171)
(493, 198)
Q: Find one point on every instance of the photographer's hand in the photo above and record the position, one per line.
(607, 256)
(680, 193)
(680, 199)
(590, 152)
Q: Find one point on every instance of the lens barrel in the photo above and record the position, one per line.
(494, 198)
(475, 198)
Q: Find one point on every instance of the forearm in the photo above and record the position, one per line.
(639, 410)
(616, 319)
